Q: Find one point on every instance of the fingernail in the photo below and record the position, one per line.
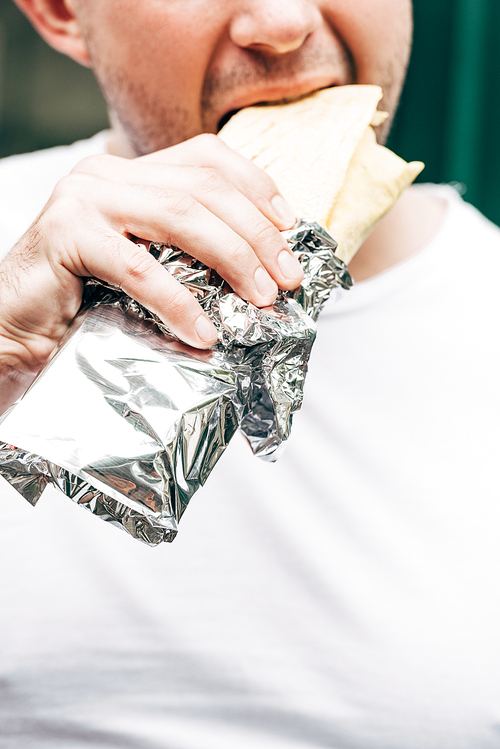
(283, 210)
(205, 329)
(289, 265)
(265, 284)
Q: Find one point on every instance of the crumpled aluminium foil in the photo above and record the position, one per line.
(130, 421)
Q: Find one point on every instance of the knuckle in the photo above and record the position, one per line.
(177, 301)
(239, 254)
(264, 187)
(93, 164)
(261, 185)
(63, 188)
(138, 265)
(179, 205)
(59, 213)
(207, 141)
(212, 180)
(73, 186)
(266, 233)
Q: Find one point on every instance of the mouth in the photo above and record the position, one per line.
(268, 103)
(225, 118)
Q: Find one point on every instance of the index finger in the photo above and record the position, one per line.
(208, 150)
(132, 268)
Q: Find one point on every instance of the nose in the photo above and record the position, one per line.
(279, 26)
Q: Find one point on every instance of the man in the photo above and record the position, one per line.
(347, 596)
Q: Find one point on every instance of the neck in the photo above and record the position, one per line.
(118, 143)
(405, 230)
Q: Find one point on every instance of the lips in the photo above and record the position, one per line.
(269, 98)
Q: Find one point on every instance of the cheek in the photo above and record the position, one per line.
(154, 43)
(377, 33)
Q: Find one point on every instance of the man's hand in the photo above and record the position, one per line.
(199, 195)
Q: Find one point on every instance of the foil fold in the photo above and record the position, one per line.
(128, 421)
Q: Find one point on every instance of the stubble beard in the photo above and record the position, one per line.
(151, 124)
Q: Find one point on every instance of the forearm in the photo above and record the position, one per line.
(23, 351)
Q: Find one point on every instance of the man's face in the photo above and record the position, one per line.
(171, 69)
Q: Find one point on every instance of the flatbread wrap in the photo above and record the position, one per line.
(322, 153)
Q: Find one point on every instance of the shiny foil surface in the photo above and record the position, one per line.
(129, 422)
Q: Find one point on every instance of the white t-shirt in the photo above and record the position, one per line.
(346, 597)
(27, 182)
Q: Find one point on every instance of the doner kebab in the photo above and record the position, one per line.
(128, 421)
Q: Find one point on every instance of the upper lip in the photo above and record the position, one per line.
(278, 94)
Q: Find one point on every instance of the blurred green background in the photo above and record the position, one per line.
(448, 117)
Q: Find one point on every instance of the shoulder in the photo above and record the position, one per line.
(27, 181)
(53, 160)
(466, 249)
(465, 227)
(464, 258)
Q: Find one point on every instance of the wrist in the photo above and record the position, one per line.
(15, 376)
(13, 384)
